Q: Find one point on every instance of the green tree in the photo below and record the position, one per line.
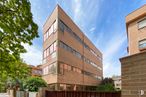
(107, 85)
(34, 83)
(13, 72)
(16, 28)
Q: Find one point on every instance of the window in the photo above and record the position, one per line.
(51, 49)
(65, 66)
(142, 23)
(99, 68)
(61, 67)
(62, 87)
(45, 36)
(61, 45)
(61, 26)
(51, 29)
(69, 67)
(53, 55)
(78, 70)
(45, 70)
(52, 68)
(47, 51)
(55, 45)
(44, 61)
(55, 26)
(78, 55)
(142, 44)
(45, 54)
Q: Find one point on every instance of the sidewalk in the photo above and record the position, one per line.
(4, 95)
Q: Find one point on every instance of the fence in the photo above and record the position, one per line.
(81, 94)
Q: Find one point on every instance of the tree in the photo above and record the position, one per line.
(13, 72)
(33, 84)
(16, 28)
(107, 81)
(107, 85)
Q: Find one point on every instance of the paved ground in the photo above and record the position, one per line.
(4, 95)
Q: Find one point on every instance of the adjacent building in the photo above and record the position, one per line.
(117, 82)
(70, 60)
(134, 65)
(36, 70)
(136, 31)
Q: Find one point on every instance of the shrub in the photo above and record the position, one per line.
(34, 83)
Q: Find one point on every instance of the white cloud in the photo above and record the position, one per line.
(83, 14)
(92, 29)
(33, 55)
(77, 9)
(112, 67)
(113, 46)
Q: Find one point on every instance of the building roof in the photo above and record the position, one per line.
(137, 14)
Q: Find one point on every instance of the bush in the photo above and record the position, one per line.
(34, 83)
(106, 85)
(106, 88)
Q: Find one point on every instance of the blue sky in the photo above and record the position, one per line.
(102, 21)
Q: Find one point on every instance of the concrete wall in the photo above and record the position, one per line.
(133, 75)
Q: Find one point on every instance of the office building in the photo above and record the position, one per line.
(70, 60)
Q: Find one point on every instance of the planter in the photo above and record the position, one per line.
(21, 94)
(32, 94)
(11, 93)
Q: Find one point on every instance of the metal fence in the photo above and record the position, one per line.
(81, 94)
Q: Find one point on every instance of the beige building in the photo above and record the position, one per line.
(134, 65)
(36, 70)
(136, 30)
(117, 82)
(70, 60)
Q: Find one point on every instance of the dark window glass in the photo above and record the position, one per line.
(142, 44)
(61, 26)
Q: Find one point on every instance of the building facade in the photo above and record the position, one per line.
(136, 31)
(70, 60)
(134, 65)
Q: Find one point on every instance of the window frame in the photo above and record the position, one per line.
(144, 19)
(139, 44)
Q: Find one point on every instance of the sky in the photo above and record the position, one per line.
(102, 21)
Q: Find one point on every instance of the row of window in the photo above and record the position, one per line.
(68, 48)
(63, 27)
(36, 72)
(50, 49)
(142, 24)
(50, 69)
(63, 66)
(142, 44)
(51, 29)
(77, 54)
